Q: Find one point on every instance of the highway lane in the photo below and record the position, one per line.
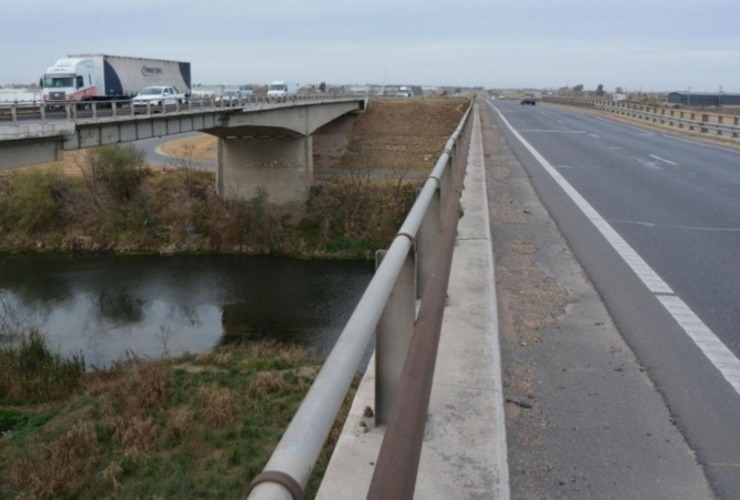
(676, 203)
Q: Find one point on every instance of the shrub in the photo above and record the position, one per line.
(133, 223)
(32, 373)
(33, 200)
(119, 169)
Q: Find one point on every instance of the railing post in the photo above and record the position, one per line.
(427, 240)
(445, 185)
(392, 336)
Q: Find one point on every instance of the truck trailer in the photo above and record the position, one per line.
(101, 77)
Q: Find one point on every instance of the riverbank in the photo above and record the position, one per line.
(198, 425)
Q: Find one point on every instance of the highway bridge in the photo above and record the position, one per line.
(262, 141)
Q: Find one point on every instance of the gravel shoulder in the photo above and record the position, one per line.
(583, 419)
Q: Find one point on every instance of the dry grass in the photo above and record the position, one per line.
(200, 148)
(199, 426)
(220, 405)
(142, 385)
(49, 470)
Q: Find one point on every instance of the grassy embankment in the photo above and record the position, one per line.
(196, 426)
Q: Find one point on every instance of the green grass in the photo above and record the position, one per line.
(195, 426)
(30, 372)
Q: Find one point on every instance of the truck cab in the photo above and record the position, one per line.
(70, 79)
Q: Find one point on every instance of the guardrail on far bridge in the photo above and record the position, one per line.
(19, 111)
(717, 124)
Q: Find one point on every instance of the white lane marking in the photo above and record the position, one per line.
(671, 226)
(553, 131)
(669, 162)
(649, 164)
(647, 275)
(594, 136)
(713, 348)
(716, 352)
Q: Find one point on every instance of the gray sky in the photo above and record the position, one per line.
(635, 44)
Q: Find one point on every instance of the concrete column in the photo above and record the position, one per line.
(282, 165)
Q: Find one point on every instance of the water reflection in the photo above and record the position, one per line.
(104, 307)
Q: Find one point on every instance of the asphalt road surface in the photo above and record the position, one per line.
(655, 221)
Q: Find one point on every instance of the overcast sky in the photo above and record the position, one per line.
(635, 44)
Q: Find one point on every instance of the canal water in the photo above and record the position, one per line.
(104, 307)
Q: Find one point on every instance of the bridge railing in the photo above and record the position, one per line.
(417, 264)
(722, 125)
(17, 111)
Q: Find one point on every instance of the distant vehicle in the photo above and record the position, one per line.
(278, 88)
(528, 99)
(247, 90)
(157, 97)
(100, 77)
(404, 91)
(229, 98)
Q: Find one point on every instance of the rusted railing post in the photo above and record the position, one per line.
(392, 335)
(426, 241)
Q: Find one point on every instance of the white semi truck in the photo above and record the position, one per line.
(101, 77)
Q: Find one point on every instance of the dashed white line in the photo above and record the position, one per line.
(669, 162)
(716, 352)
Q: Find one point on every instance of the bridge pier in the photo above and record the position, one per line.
(282, 165)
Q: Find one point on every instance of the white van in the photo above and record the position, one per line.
(278, 88)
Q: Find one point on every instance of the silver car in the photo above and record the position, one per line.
(229, 98)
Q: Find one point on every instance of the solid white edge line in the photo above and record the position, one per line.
(711, 346)
(654, 283)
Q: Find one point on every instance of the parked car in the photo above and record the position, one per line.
(157, 98)
(229, 98)
(528, 99)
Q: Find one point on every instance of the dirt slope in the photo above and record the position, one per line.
(392, 133)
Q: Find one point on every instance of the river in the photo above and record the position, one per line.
(104, 307)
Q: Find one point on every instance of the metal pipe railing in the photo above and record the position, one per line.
(398, 461)
(290, 465)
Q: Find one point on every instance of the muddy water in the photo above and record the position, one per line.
(105, 306)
